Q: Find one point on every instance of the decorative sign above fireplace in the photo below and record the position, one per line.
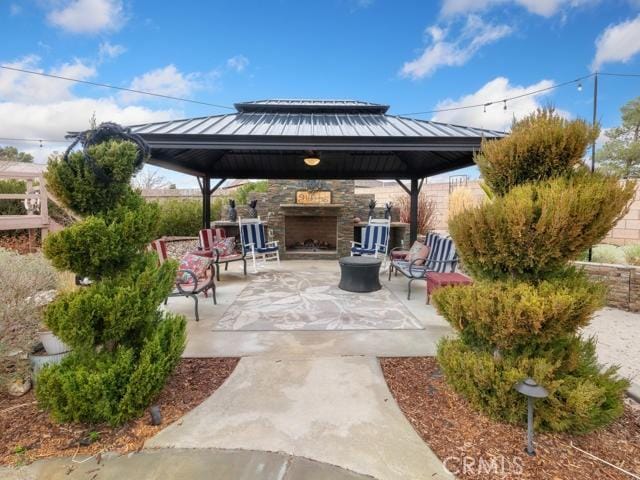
(318, 197)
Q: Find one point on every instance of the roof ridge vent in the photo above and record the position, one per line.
(311, 106)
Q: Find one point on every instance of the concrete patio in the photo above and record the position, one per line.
(205, 341)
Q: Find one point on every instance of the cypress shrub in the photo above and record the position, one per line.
(124, 346)
(522, 315)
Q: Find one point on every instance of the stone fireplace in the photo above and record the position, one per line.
(311, 219)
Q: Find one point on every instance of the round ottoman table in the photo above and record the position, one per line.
(360, 274)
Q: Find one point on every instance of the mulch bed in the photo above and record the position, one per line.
(454, 431)
(27, 433)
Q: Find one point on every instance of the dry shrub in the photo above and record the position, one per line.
(461, 199)
(22, 277)
(426, 211)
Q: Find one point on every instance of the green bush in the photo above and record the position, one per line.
(180, 218)
(243, 192)
(76, 184)
(124, 346)
(183, 218)
(512, 315)
(112, 386)
(534, 229)
(632, 254)
(522, 315)
(581, 397)
(8, 206)
(541, 146)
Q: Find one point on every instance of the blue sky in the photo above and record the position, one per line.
(413, 55)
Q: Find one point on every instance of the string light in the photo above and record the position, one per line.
(515, 97)
(505, 106)
(580, 86)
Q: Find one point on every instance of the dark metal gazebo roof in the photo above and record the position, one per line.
(270, 138)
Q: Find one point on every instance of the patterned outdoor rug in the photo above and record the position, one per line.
(313, 301)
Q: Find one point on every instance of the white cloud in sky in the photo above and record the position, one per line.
(444, 51)
(108, 50)
(618, 43)
(88, 16)
(238, 63)
(40, 107)
(15, 9)
(545, 8)
(167, 81)
(495, 117)
(20, 87)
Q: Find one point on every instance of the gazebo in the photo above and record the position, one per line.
(311, 139)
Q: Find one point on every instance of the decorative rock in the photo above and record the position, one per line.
(19, 387)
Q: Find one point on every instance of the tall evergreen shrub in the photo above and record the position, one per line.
(123, 346)
(522, 315)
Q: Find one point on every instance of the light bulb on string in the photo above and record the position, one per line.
(505, 105)
(579, 86)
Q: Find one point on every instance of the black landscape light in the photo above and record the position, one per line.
(530, 389)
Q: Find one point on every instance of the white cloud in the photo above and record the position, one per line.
(618, 43)
(108, 50)
(238, 63)
(474, 34)
(15, 9)
(21, 87)
(88, 16)
(545, 8)
(166, 81)
(37, 107)
(495, 117)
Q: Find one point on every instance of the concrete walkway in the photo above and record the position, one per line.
(336, 410)
(183, 464)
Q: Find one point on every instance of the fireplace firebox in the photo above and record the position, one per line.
(311, 234)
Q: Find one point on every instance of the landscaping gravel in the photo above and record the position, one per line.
(618, 336)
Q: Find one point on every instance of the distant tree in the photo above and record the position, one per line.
(149, 180)
(620, 155)
(12, 154)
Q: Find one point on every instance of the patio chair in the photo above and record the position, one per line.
(189, 283)
(209, 236)
(442, 258)
(254, 244)
(212, 244)
(375, 239)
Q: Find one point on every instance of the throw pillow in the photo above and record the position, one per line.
(225, 247)
(419, 254)
(196, 263)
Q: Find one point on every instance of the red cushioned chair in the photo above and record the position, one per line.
(189, 283)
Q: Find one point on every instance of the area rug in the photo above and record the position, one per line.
(313, 301)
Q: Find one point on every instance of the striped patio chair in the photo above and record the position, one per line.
(208, 237)
(442, 258)
(254, 244)
(374, 240)
(188, 283)
(209, 240)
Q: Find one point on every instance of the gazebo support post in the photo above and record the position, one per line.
(413, 216)
(205, 188)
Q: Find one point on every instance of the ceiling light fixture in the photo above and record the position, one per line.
(311, 160)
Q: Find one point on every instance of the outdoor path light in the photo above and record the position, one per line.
(531, 390)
